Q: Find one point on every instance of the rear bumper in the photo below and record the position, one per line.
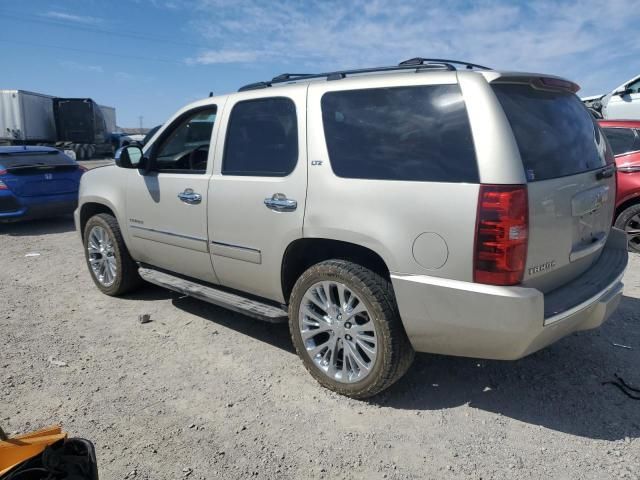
(506, 323)
(24, 208)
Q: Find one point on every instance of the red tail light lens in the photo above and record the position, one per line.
(502, 232)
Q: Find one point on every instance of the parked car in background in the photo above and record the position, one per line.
(417, 207)
(624, 137)
(622, 103)
(37, 182)
(150, 134)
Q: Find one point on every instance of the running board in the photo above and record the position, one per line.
(237, 303)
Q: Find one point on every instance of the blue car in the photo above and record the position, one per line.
(37, 182)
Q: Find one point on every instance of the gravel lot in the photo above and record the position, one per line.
(204, 393)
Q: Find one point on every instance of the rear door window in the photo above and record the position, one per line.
(622, 140)
(406, 133)
(556, 134)
(262, 138)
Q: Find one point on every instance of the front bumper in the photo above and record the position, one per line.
(506, 323)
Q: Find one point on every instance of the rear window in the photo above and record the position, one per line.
(407, 133)
(556, 134)
(622, 140)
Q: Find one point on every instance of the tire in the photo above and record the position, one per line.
(393, 352)
(629, 220)
(77, 150)
(125, 275)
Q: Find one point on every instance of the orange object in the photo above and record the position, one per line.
(22, 447)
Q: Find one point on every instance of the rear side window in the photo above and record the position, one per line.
(407, 133)
(622, 140)
(262, 138)
(556, 134)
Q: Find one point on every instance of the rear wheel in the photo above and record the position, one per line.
(112, 269)
(346, 328)
(629, 221)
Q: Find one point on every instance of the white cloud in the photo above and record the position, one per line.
(70, 17)
(81, 67)
(570, 38)
(209, 57)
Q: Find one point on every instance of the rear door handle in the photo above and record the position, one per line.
(606, 172)
(280, 203)
(190, 197)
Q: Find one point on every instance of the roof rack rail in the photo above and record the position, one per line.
(422, 61)
(417, 64)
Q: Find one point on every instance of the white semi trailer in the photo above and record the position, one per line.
(78, 124)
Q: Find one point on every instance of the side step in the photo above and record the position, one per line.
(237, 303)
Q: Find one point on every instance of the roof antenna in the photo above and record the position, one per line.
(210, 94)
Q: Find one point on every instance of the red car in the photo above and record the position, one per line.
(624, 137)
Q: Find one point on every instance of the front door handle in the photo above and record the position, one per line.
(190, 197)
(280, 203)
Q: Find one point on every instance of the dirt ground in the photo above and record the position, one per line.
(204, 393)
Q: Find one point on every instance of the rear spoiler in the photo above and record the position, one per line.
(13, 153)
(538, 81)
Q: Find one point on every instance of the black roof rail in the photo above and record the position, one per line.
(254, 86)
(283, 77)
(422, 61)
(417, 64)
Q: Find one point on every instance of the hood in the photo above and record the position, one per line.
(591, 98)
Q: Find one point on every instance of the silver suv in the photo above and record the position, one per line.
(380, 212)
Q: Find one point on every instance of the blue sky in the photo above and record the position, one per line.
(150, 57)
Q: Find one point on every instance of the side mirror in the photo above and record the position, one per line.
(623, 92)
(129, 157)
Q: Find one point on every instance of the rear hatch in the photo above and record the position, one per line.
(39, 171)
(570, 180)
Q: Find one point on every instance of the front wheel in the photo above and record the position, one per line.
(346, 328)
(112, 269)
(629, 221)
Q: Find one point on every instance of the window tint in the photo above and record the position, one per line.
(622, 140)
(406, 133)
(556, 134)
(635, 86)
(262, 138)
(186, 148)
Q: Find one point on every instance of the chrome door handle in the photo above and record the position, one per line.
(280, 203)
(190, 197)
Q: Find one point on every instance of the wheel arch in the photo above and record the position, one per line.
(631, 200)
(305, 252)
(90, 209)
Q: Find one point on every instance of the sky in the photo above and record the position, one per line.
(148, 58)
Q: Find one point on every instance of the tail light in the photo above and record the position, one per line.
(502, 232)
(3, 186)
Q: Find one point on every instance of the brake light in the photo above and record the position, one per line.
(3, 186)
(502, 232)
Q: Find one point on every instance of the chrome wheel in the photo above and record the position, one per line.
(338, 333)
(633, 233)
(102, 257)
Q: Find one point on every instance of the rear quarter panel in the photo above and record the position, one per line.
(388, 216)
(628, 182)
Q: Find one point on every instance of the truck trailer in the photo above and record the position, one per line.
(77, 124)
